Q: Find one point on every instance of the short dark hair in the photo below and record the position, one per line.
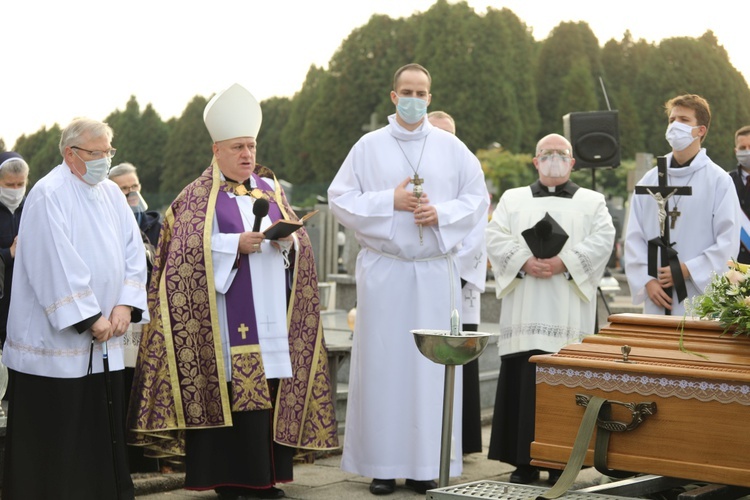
(407, 67)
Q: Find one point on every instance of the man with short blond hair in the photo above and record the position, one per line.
(704, 228)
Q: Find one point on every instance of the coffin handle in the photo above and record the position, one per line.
(638, 413)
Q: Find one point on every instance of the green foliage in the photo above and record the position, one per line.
(140, 139)
(504, 170)
(727, 300)
(188, 149)
(500, 85)
(41, 150)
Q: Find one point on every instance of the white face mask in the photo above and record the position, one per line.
(96, 170)
(680, 136)
(554, 165)
(743, 157)
(11, 197)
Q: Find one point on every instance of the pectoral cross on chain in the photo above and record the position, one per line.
(673, 217)
(667, 220)
(418, 181)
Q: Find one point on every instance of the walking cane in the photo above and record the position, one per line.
(111, 411)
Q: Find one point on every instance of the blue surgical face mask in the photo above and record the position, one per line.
(96, 170)
(411, 109)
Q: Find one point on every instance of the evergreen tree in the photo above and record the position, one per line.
(570, 46)
(188, 149)
(270, 152)
(41, 150)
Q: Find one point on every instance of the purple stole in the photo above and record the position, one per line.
(241, 320)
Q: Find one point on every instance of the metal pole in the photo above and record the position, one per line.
(111, 411)
(445, 443)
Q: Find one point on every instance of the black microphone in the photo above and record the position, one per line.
(260, 210)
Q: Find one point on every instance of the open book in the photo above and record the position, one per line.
(282, 227)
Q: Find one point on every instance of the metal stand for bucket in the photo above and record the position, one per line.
(449, 349)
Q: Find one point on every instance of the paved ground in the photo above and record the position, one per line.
(324, 480)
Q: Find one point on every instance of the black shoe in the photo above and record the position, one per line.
(554, 475)
(421, 486)
(248, 494)
(382, 486)
(524, 474)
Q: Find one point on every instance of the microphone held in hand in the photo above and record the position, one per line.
(260, 210)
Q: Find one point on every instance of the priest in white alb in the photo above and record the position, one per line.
(548, 244)
(78, 282)
(407, 278)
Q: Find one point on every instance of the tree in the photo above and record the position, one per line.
(41, 150)
(570, 47)
(188, 149)
(270, 151)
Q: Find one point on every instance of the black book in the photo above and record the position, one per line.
(283, 228)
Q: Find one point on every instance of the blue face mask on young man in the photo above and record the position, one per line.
(411, 109)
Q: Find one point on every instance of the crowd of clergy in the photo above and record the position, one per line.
(136, 340)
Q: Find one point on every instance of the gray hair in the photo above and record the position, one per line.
(122, 169)
(71, 134)
(14, 166)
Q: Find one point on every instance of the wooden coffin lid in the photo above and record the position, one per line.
(654, 341)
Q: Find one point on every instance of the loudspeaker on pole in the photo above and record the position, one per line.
(595, 137)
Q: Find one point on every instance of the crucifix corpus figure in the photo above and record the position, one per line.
(661, 202)
(661, 194)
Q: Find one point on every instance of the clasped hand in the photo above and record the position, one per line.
(104, 329)
(544, 268)
(424, 213)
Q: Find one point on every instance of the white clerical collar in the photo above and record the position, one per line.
(402, 134)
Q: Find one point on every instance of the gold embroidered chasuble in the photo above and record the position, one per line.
(180, 380)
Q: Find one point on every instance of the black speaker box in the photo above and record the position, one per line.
(595, 137)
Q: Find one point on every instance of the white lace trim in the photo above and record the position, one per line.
(646, 385)
(65, 301)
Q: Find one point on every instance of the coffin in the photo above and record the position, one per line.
(701, 429)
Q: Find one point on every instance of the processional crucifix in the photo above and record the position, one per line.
(662, 193)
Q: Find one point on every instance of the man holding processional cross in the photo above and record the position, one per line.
(699, 234)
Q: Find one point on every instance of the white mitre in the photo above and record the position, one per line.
(232, 113)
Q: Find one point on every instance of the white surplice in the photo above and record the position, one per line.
(705, 235)
(547, 314)
(393, 420)
(472, 267)
(79, 253)
(268, 275)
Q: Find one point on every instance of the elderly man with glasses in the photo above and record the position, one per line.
(79, 281)
(548, 244)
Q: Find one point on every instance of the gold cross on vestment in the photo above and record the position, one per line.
(673, 214)
(243, 329)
